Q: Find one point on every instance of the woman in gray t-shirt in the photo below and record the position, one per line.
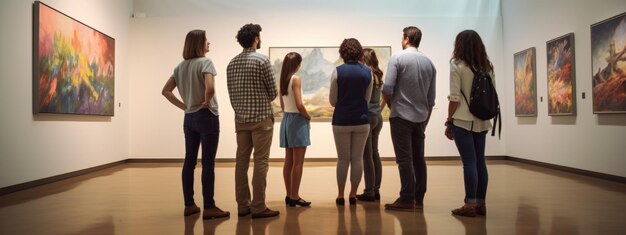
(194, 78)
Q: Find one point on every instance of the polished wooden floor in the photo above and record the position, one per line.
(141, 198)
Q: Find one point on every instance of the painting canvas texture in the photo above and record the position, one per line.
(73, 66)
(525, 83)
(561, 76)
(317, 67)
(608, 52)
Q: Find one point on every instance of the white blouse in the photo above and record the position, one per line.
(461, 78)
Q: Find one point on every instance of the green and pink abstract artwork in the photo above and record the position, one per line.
(73, 65)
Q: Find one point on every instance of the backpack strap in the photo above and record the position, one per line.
(497, 117)
(464, 97)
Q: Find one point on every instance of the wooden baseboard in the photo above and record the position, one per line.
(39, 182)
(577, 171)
(35, 183)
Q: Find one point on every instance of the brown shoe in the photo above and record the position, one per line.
(243, 213)
(266, 213)
(400, 206)
(481, 210)
(190, 210)
(468, 211)
(214, 213)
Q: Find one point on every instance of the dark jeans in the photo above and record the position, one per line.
(201, 127)
(471, 146)
(408, 145)
(372, 168)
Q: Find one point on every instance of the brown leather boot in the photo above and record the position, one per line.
(266, 213)
(400, 206)
(481, 210)
(214, 213)
(190, 210)
(467, 210)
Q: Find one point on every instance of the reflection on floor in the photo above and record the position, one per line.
(141, 198)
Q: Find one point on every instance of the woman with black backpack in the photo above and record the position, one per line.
(466, 129)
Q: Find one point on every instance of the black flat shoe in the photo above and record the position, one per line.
(377, 196)
(287, 199)
(352, 200)
(299, 202)
(340, 201)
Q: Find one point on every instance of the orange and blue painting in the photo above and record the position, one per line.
(73, 67)
(525, 83)
(608, 61)
(561, 76)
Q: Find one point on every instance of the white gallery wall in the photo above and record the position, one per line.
(157, 38)
(33, 148)
(588, 141)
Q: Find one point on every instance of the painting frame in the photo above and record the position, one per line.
(318, 62)
(73, 65)
(525, 85)
(561, 75)
(607, 36)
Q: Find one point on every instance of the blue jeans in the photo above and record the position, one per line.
(201, 127)
(372, 167)
(408, 145)
(471, 146)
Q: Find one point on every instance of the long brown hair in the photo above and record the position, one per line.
(369, 58)
(469, 48)
(195, 41)
(290, 65)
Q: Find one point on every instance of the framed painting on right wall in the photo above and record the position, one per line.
(561, 75)
(608, 65)
(525, 83)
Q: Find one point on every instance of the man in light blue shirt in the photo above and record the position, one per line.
(409, 90)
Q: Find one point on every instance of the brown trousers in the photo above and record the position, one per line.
(257, 136)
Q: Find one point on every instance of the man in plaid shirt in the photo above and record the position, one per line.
(251, 88)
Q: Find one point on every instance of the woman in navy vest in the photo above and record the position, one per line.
(350, 92)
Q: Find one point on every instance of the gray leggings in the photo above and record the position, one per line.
(350, 143)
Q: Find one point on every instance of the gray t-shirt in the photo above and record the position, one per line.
(189, 77)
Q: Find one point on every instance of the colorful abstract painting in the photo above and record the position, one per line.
(73, 65)
(525, 83)
(317, 67)
(561, 76)
(608, 61)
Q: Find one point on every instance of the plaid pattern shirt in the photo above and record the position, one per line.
(251, 86)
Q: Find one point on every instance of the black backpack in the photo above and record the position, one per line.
(483, 101)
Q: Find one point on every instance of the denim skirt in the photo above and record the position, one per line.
(294, 131)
